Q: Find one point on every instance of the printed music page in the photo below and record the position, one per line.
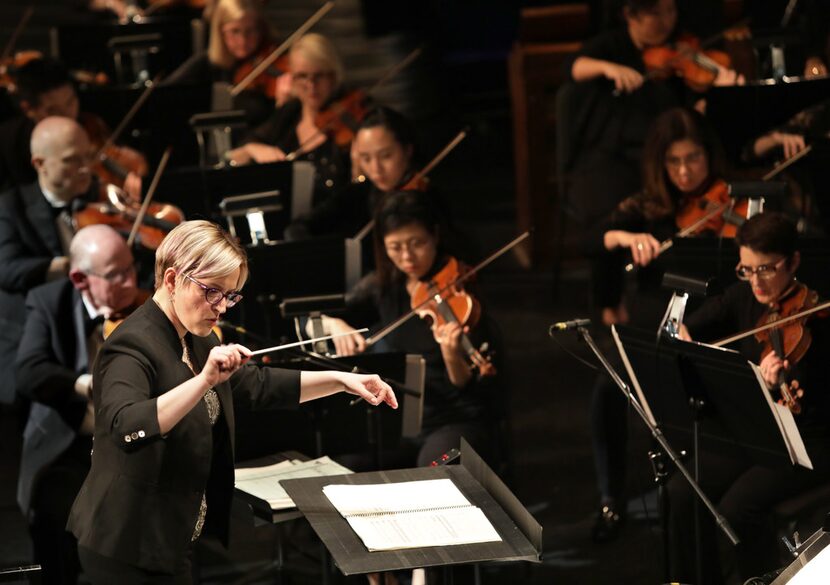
(786, 424)
(411, 514)
(264, 482)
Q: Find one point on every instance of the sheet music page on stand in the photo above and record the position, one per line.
(786, 424)
(410, 514)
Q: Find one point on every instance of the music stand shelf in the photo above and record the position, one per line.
(521, 534)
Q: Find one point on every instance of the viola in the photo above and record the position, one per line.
(442, 299)
(725, 224)
(266, 82)
(686, 58)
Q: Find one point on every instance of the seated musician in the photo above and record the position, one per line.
(385, 159)
(743, 491)
(240, 36)
(35, 222)
(43, 87)
(409, 249)
(316, 78)
(60, 341)
(682, 162)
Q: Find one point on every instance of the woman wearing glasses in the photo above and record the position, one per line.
(316, 81)
(742, 490)
(162, 464)
(681, 163)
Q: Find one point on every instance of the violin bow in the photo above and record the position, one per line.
(686, 232)
(286, 44)
(793, 317)
(18, 30)
(148, 89)
(397, 68)
(364, 231)
(786, 163)
(149, 197)
(407, 316)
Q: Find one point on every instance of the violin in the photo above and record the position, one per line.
(789, 342)
(266, 81)
(120, 212)
(783, 329)
(113, 163)
(115, 319)
(724, 224)
(686, 58)
(342, 117)
(441, 299)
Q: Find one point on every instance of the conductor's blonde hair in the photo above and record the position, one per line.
(200, 249)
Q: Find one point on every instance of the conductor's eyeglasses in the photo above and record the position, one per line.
(214, 296)
(764, 271)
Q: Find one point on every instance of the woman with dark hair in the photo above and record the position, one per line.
(409, 248)
(681, 163)
(383, 157)
(744, 491)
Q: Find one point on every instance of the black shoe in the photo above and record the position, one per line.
(607, 525)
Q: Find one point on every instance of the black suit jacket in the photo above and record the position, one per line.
(51, 356)
(140, 501)
(28, 242)
(15, 154)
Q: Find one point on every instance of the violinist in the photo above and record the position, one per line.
(682, 162)
(35, 221)
(743, 491)
(316, 83)
(240, 36)
(61, 337)
(614, 101)
(45, 88)
(410, 250)
(384, 157)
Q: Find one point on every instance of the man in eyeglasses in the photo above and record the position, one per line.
(743, 491)
(61, 338)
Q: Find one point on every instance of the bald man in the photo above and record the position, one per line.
(34, 225)
(43, 88)
(60, 341)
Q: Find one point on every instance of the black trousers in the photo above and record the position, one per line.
(744, 493)
(101, 570)
(55, 549)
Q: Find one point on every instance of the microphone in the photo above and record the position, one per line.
(568, 325)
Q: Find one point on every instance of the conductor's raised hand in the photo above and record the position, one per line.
(223, 361)
(370, 388)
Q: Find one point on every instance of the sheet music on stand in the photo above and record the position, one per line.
(520, 534)
(264, 482)
(812, 565)
(410, 514)
(740, 411)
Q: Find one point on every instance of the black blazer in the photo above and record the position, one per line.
(51, 356)
(140, 501)
(28, 242)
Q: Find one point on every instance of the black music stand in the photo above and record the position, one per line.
(84, 46)
(162, 121)
(735, 415)
(521, 534)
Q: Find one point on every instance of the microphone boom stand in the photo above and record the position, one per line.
(720, 521)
